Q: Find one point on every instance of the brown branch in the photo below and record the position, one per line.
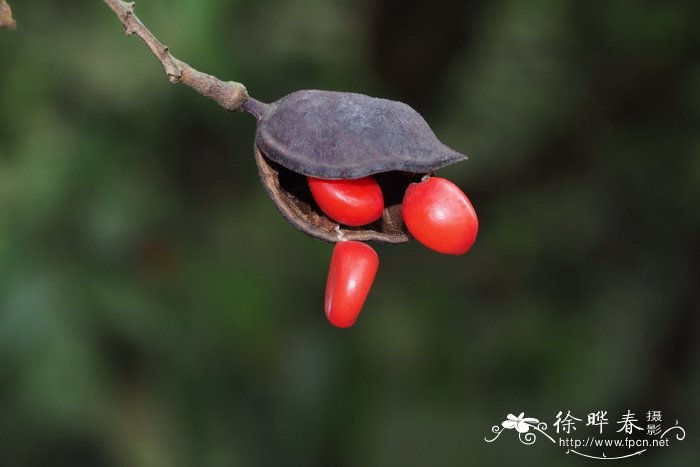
(228, 94)
(6, 20)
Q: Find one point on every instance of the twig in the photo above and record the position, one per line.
(6, 20)
(228, 94)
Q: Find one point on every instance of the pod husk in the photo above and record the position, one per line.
(290, 193)
(341, 135)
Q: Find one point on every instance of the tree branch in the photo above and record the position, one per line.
(6, 20)
(228, 94)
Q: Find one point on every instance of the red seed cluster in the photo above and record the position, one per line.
(436, 212)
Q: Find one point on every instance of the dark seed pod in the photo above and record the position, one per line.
(336, 135)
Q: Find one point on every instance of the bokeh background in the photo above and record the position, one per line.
(156, 310)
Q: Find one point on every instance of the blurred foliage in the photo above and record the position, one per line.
(155, 310)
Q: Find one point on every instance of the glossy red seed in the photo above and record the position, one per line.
(349, 202)
(350, 276)
(439, 215)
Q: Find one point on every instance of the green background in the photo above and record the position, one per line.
(156, 310)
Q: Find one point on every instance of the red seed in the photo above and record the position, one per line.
(439, 215)
(350, 276)
(349, 202)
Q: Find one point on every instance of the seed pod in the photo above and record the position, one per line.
(334, 135)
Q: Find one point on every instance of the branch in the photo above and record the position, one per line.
(6, 20)
(228, 94)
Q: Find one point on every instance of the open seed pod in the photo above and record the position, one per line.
(335, 135)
